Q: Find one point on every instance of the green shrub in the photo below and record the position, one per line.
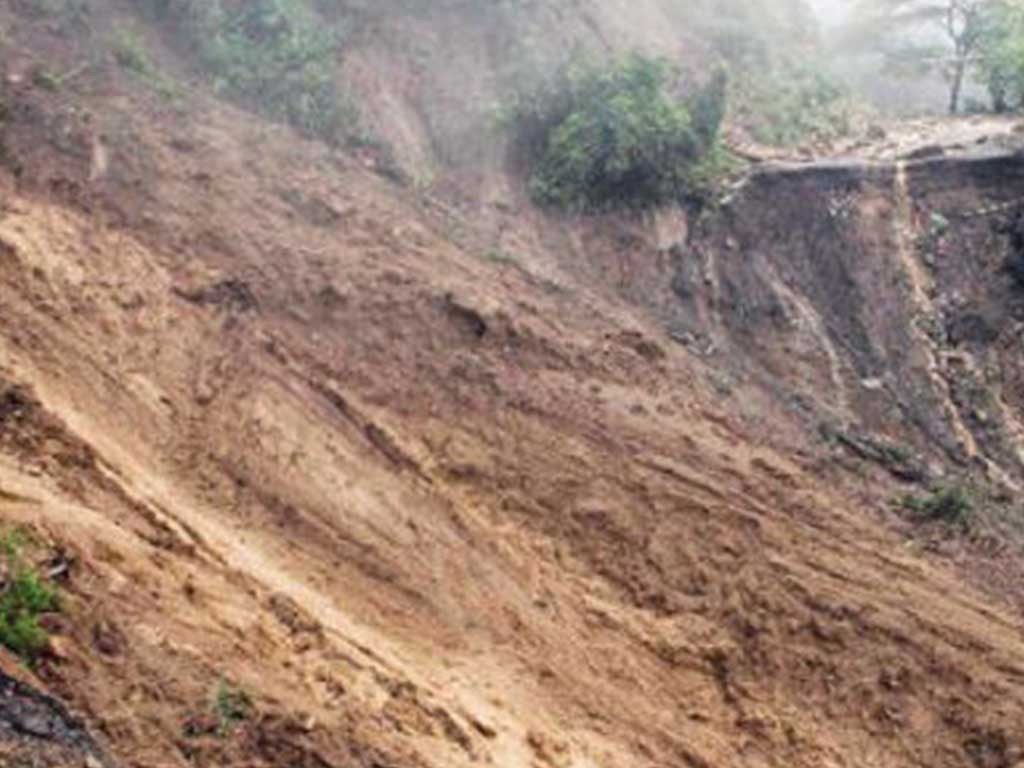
(1001, 63)
(231, 707)
(130, 52)
(950, 504)
(612, 135)
(45, 78)
(789, 104)
(25, 597)
(271, 56)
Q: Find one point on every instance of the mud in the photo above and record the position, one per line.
(426, 507)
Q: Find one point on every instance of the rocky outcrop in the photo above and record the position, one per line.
(38, 730)
(877, 293)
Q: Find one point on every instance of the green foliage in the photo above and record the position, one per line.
(12, 543)
(791, 103)
(130, 52)
(612, 135)
(938, 225)
(707, 108)
(271, 56)
(950, 504)
(917, 37)
(500, 256)
(781, 91)
(1001, 64)
(231, 706)
(48, 7)
(25, 597)
(43, 77)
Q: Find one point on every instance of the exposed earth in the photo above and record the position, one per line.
(428, 477)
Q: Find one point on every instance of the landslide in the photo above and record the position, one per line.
(301, 434)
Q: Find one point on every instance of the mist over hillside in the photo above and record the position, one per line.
(830, 12)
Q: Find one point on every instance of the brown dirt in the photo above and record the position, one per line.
(426, 507)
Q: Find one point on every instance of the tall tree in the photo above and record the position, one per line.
(924, 34)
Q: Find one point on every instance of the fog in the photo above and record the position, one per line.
(830, 12)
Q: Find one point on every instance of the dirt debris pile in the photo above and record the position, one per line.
(360, 473)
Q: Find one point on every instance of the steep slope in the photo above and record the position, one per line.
(302, 431)
(393, 490)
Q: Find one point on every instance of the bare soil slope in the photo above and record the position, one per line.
(300, 433)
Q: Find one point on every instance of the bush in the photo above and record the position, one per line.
(782, 92)
(1001, 60)
(231, 707)
(130, 52)
(612, 135)
(950, 504)
(786, 105)
(25, 597)
(226, 709)
(271, 56)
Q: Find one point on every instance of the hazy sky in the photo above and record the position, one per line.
(830, 11)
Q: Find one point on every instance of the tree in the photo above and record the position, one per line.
(1001, 59)
(924, 34)
(781, 89)
(616, 134)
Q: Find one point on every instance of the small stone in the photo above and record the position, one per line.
(59, 647)
(108, 639)
(34, 725)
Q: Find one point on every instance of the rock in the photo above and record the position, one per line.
(202, 724)
(107, 638)
(59, 647)
(34, 724)
(484, 729)
(292, 615)
(925, 152)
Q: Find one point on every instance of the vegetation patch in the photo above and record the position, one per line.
(950, 504)
(614, 134)
(46, 79)
(228, 708)
(781, 90)
(232, 706)
(275, 57)
(897, 460)
(25, 596)
(130, 52)
(791, 104)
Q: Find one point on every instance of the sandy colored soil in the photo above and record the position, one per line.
(431, 512)
(302, 434)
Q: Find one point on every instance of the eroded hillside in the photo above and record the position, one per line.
(436, 479)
